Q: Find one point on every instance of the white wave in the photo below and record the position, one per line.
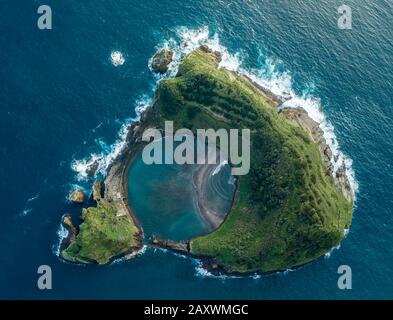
(141, 105)
(328, 254)
(33, 198)
(25, 212)
(118, 261)
(62, 234)
(313, 107)
(142, 250)
(269, 77)
(27, 209)
(81, 166)
(187, 40)
(202, 272)
(256, 276)
(176, 254)
(220, 167)
(117, 58)
(155, 249)
(286, 272)
(109, 152)
(97, 127)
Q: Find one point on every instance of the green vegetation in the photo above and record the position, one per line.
(287, 211)
(103, 235)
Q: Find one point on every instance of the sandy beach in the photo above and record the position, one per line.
(200, 179)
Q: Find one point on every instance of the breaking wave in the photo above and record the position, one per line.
(109, 152)
(328, 254)
(125, 259)
(268, 76)
(25, 212)
(27, 209)
(117, 58)
(62, 233)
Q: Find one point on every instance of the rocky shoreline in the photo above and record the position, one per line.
(275, 99)
(115, 185)
(113, 190)
(72, 230)
(300, 117)
(116, 181)
(296, 116)
(183, 248)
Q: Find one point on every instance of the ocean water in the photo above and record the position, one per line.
(66, 96)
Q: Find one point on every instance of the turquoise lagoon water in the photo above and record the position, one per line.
(164, 201)
(164, 196)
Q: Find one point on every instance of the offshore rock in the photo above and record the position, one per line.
(77, 196)
(161, 60)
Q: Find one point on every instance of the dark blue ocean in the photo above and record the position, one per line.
(61, 100)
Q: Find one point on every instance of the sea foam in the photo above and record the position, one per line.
(269, 76)
(62, 233)
(27, 209)
(117, 58)
(109, 152)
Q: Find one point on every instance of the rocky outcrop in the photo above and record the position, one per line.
(274, 99)
(72, 232)
(182, 247)
(112, 197)
(342, 182)
(77, 196)
(300, 117)
(208, 263)
(97, 192)
(161, 60)
(92, 168)
(216, 56)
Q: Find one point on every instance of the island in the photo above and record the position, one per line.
(291, 208)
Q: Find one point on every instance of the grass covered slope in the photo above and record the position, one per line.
(287, 210)
(102, 236)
